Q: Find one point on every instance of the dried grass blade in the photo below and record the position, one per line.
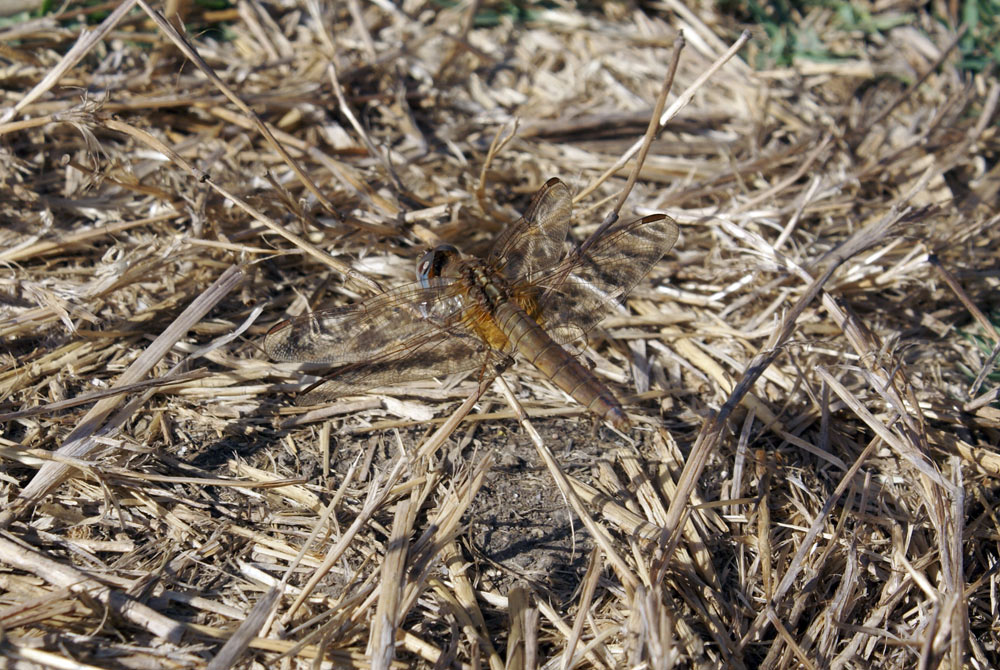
(377, 493)
(711, 431)
(517, 603)
(65, 576)
(600, 534)
(239, 643)
(583, 606)
(188, 50)
(907, 452)
(79, 442)
(465, 596)
(381, 642)
(106, 393)
(670, 113)
(87, 41)
(796, 564)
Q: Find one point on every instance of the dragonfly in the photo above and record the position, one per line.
(526, 298)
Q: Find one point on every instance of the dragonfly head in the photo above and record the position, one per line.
(434, 262)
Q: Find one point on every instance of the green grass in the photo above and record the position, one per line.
(985, 345)
(788, 37)
(980, 48)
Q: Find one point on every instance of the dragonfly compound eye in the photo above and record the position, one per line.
(424, 268)
(432, 263)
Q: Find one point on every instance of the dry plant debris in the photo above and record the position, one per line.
(812, 480)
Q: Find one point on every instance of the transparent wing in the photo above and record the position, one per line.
(380, 325)
(581, 290)
(432, 357)
(408, 333)
(534, 243)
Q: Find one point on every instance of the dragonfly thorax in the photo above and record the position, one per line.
(469, 275)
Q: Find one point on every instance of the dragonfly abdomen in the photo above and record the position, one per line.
(526, 337)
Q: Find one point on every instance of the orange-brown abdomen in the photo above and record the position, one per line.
(529, 339)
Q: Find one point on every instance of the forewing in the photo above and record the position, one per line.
(534, 243)
(586, 286)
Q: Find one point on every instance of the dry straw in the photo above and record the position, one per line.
(811, 373)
